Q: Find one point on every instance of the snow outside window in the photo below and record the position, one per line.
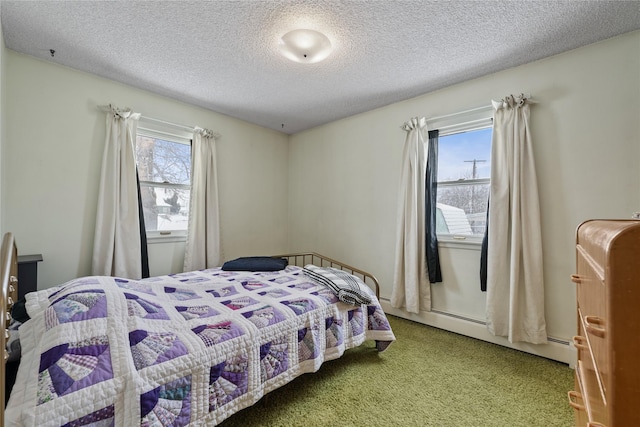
(464, 177)
(164, 170)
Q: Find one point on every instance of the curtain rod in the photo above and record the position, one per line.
(459, 113)
(107, 108)
(488, 121)
(164, 122)
(473, 110)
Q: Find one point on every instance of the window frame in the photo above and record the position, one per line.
(467, 121)
(173, 134)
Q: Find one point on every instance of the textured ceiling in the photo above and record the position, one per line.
(223, 55)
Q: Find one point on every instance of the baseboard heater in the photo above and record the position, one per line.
(480, 322)
(556, 348)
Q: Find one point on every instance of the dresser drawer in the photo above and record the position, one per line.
(592, 302)
(585, 355)
(598, 349)
(590, 396)
(590, 286)
(577, 402)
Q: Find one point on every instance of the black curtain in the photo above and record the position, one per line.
(483, 255)
(144, 254)
(433, 257)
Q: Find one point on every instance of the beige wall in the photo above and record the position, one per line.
(344, 176)
(340, 181)
(2, 128)
(52, 157)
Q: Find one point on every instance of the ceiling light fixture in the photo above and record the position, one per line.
(305, 46)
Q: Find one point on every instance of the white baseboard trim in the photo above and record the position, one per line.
(556, 349)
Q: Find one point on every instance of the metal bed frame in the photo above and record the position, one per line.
(303, 258)
(9, 276)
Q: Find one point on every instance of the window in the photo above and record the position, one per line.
(164, 170)
(464, 176)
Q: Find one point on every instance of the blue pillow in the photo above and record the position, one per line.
(256, 263)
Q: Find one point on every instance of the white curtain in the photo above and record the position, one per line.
(411, 288)
(116, 250)
(515, 281)
(203, 235)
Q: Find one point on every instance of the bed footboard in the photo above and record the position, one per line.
(9, 274)
(303, 258)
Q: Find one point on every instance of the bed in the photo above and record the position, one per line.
(185, 349)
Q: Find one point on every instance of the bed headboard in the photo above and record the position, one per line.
(9, 275)
(303, 258)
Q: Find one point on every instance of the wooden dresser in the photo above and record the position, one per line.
(607, 379)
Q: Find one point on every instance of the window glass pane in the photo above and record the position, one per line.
(165, 209)
(162, 165)
(163, 161)
(462, 209)
(465, 155)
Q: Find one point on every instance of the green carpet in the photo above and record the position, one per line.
(428, 377)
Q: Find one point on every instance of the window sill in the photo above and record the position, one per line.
(460, 242)
(172, 238)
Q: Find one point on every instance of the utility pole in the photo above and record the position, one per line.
(474, 175)
(475, 169)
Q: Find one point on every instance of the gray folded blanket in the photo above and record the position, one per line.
(346, 287)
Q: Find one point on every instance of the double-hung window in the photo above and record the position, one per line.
(164, 171)
(464, 175)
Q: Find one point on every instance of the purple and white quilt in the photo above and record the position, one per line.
(185, 349)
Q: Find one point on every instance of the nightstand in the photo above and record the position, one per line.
(28, 273)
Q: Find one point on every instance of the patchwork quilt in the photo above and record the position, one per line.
(185, 349)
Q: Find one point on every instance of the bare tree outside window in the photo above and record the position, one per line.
(144, 153)
(164, 169)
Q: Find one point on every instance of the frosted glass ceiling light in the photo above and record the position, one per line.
(305, 46)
